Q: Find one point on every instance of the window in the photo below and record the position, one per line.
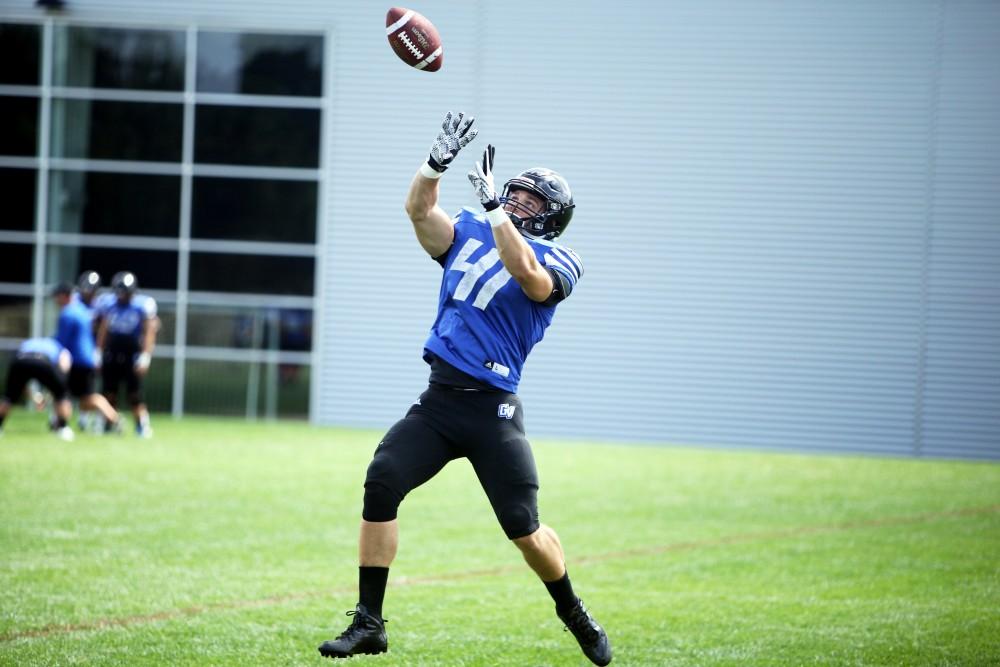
(251, 274)
(208, 184)
(20, 54)
(260, 64)
(18, 260)
(105, 130)
(154, 269)
(19, 199)
(255, 328)
(279, 137)
(254, 209)
(15, 317)
(93, 202)
(91, 57)
(19, 116)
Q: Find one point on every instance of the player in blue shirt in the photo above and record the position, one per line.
(47, 361)
(75, 331)
(503, 278)
(127, 336)
(88, 286)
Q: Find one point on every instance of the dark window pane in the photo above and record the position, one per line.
(260, 64)
(167, 312)
(19, 120)
(17, 260)
(254, 210)
(159, 384)
(107, 203)
(257, 136)
(119, 58)
(293, 391)
(117, 130)
(250, 328)
(18, 211)
(15, 317)
(154, 269)
(19, 53)
(216, 387)
(252, 274)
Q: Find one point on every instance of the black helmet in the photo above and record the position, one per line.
(554, 191)
(88, 282)
(124, 281)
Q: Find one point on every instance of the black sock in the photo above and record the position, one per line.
(561, 591)
(371, 588)
(60, 422)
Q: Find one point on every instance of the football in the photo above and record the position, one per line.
(414, 39)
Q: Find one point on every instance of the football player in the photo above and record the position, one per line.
(75, 332)
(88, 284)
(48, 362)
(127, 336)
(503, 279)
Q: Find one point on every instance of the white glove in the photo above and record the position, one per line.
(142, 362)
(481, 178)
(455, 135)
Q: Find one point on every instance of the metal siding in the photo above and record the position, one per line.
(787, 212)
(961, 410)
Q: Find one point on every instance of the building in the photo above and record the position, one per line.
(788, 211)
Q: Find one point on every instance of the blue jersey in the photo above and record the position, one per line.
(75, 331)
(125, 321)
(486, 325)
(50, 348)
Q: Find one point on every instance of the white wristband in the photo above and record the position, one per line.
(429, 172)
(142, 361)
(497, 216)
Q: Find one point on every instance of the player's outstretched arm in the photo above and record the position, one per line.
(515, 253)
(431, 223)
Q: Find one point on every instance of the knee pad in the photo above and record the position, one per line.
(381, 503)
(518, 520)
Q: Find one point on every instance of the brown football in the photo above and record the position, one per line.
(414, 39)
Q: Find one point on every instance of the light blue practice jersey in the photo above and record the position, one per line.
(486, 325)
(50, 348)
(125, 320)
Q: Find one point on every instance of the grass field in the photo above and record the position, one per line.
(226, 543)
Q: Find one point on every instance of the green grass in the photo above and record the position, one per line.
(226, 543)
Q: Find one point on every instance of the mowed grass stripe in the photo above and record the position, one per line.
(739, 538)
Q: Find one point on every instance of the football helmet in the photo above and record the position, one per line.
(124, 282)
(88, 282)
(556, 197)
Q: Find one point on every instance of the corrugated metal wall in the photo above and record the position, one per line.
(789, 212)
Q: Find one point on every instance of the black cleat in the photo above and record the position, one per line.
(366, 634)
(591, 636)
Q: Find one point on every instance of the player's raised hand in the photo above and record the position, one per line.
(456, 133)
(481, 178)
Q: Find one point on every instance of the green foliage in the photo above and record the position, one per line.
(227, 543)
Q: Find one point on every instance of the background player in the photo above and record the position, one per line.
(88, 285)
(128, 335)
(503, 277)
(48, 362)
(75, 332)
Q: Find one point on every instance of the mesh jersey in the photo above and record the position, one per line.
(125, 320)
(50, 348)
(486, 325)
(75, 331)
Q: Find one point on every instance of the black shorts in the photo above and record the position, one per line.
(118, 369)
(24, 369)
(486, 427)
(81, 381)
